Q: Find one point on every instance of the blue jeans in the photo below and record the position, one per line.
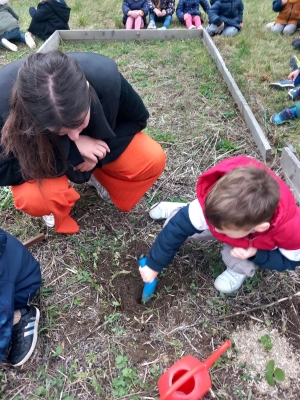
(227, 31)
(15, 34)
(167, 19)
(297, 81)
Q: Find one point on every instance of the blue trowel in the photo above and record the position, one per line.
(149, 287)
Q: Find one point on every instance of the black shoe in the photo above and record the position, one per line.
(296, 44)
(24, 336)
(294, 63)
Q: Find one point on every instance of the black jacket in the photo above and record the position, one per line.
(49, 17)
(117, 114)
(228, 11)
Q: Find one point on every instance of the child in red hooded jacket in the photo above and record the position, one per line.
(243, 204)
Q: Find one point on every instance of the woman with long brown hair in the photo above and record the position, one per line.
(73, 117)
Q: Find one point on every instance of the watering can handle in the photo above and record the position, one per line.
(181, 381)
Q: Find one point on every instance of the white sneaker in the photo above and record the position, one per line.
(151, 25)
(192, 27)
(9, 45)
(269, 25)
(162, 28)
(163, 209)
(49, 220)
(229, 281)
(29, 40)
(101, 191)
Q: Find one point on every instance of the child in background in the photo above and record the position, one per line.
(10, 30)
(161, 11)
(48, 17)
(20, 278)
(135, 13)
(225, 17)
(243, 204)
(188, 12)
(288, 17)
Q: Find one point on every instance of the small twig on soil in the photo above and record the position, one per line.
(133, 394)
(253, 309)
(19, 391)
(118, 273)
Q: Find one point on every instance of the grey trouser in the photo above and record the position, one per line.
(288, 29)
(227, 31)
(245, 267)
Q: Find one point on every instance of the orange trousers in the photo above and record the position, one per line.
(126, 179)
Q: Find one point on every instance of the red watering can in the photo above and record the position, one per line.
(188, 379)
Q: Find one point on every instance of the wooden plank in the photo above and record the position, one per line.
(50, 44)
(108, 35)
(251, 122)
(291, 169)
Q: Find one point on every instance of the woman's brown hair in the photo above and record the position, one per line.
(50, 92)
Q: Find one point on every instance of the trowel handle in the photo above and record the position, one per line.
(182, 380)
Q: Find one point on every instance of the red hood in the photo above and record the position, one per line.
(285, 225)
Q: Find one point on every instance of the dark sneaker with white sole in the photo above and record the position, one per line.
(282, 85)
(24, 336)
(283, 116)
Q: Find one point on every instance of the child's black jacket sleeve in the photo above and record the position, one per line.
(168, 242)
(273, 260)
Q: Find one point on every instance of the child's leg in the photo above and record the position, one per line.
(138, 22)
(188, 21)
(129, 23)
(213, 30)
(52, 196)
(277, 28)
(230, 31)
(289, 29)
(20, 279)
(167, 22)
(197, 21)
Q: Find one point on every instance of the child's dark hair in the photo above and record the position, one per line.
(50, 92)
(243, 198)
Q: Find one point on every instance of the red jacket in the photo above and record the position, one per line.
(284, 231)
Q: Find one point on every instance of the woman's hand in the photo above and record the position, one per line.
(293, 75)
(87, 165)
(92, 150)
(148, 275)
(243, 254)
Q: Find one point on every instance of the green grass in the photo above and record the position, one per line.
(255, 58)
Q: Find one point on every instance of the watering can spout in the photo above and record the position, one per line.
(209, 362)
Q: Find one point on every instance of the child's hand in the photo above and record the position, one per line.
(163, 13)
(132, 14)
(283, 2)
(241, 25)
(243, 254)
(185, 17)
(147, 274)
(157, 12)
(293, 75)
(221, 26)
